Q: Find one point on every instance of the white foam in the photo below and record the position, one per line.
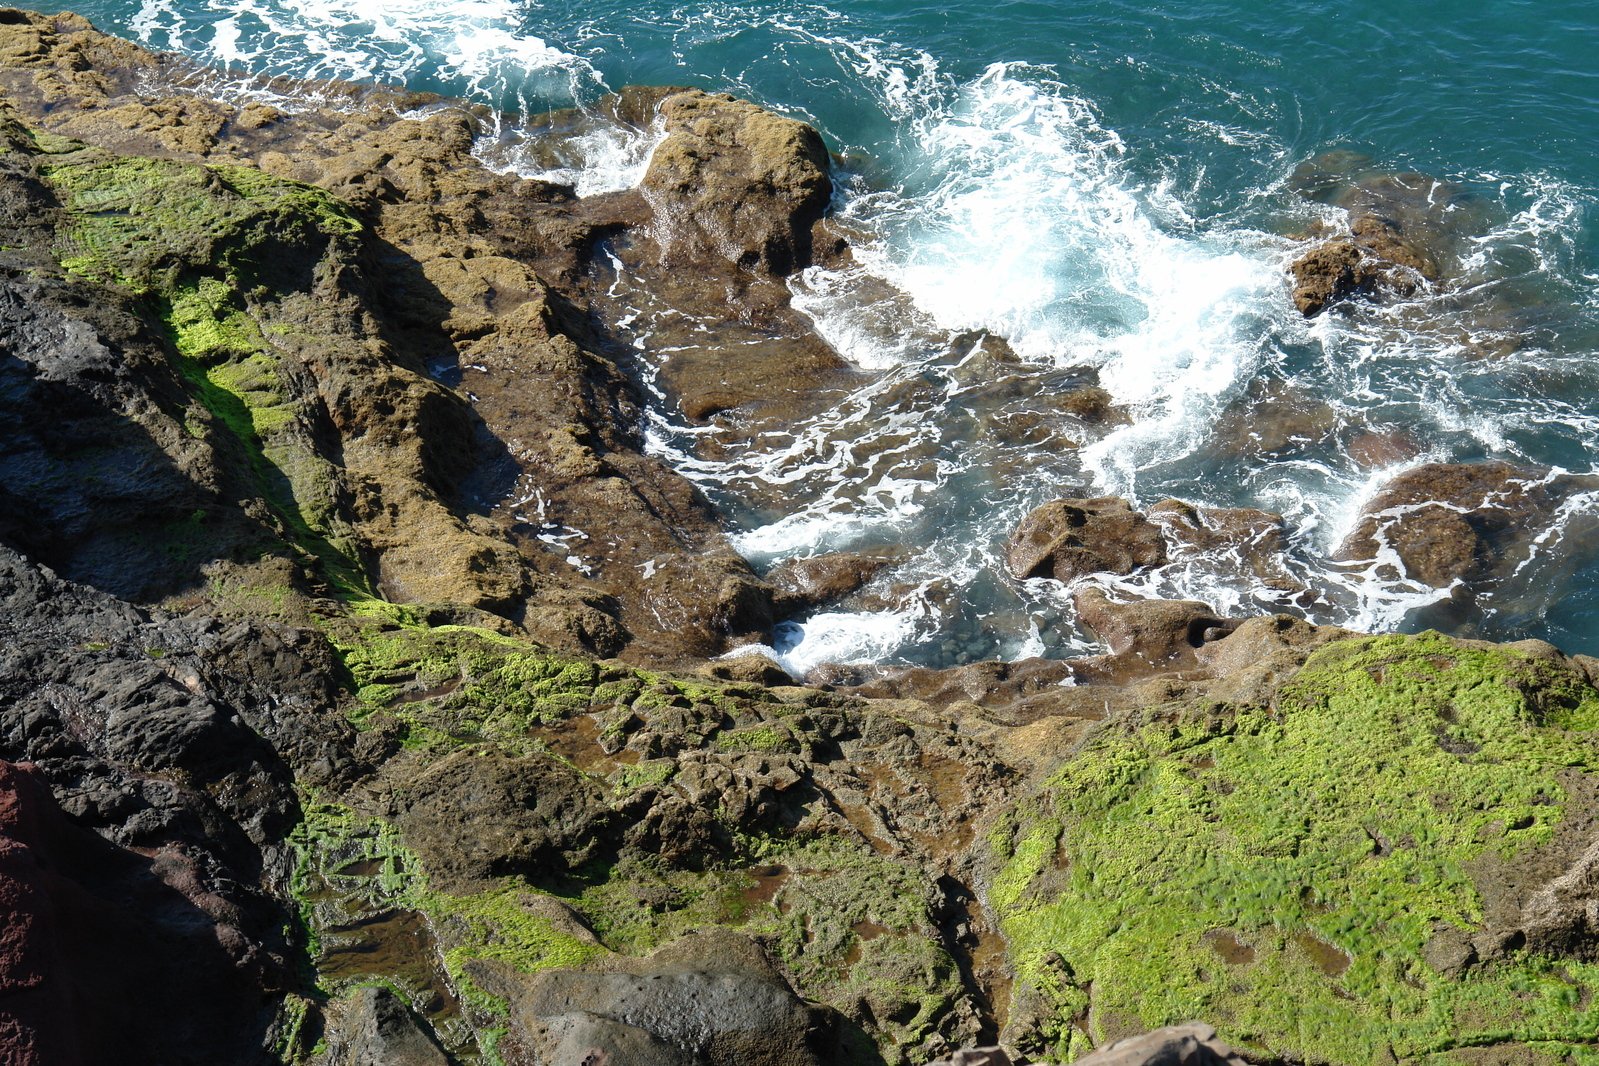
(842, 637)
(477, 47)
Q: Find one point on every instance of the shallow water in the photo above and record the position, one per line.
(1111, 189)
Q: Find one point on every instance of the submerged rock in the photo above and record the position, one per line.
(1400, 234)
(1447, 522)
(1068, 539)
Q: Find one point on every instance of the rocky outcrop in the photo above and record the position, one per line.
(733, 181)
(1149, 636)
(1445, 522)
(1398, 238)
(1194, 1044)
(712, 1000)
(1068, 539)
(818, 580)
(142, 836)
(321, 400)
(379, 1030)
(314, 754)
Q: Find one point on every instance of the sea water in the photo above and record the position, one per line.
(1108, 186)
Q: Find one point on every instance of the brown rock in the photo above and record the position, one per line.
(1449, 521)
(1067, 539)
(736, 181)
(1342, 269)
(822, 579)
(1251, 541)
(1150, 635)
(473, 816)
(1382, 447)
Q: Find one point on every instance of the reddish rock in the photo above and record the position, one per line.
(1454, 521)
(1067, 539)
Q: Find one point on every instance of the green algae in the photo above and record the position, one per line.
(207, 250)
(1329, 836)
(142, 223)
(496, 925)
(459, 684)
(764, 739)
(348, 863)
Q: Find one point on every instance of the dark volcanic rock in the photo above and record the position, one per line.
(738, 182)
(378, 1030)
(1194, 1044)
(707, 1000)
(100, 943)
(477, 815)
(1067, 539)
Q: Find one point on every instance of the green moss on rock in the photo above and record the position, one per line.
(1278, 871)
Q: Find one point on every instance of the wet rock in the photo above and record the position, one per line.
(1221, 539)
(1402, 228)
(378, 1029)
(1445, 522)
(736, 181)
(1274, 418)
(805, 584)
(1340, 270)
(1376, 448)
(1068, 539)
(1147, 636)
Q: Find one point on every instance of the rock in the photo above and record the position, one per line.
(1445, 522)
(733, 180)
(981, 1056)
(752, 667)
(377, 1029)
(1068, 539)
(1240, 539)
(805, 584)
(1194, 1044)
(709, 1000)
(1147, 636)
(1344, 269)
(476, 815)
(105, 957)
(1402, 229)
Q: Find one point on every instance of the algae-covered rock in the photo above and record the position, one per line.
(1281, 870)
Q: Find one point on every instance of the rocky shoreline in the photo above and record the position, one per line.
(363, 698)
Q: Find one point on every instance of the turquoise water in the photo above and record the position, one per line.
(1108, 187)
